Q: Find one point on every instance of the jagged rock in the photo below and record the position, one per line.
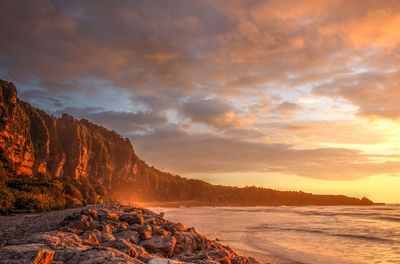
(27, 253)
(91, 212)
(220, 255)
(124, 246)
(89, 237)
(133, 218)
(104, 236)
(103, 255)
(158, 230)
(113, 215)
(130, 235)
(164, 261)
(65, 254)
(190, 242)
(159, 244)
(123, 225)
(142, 253)
(82, 223)
(146, 232)
(54, 239)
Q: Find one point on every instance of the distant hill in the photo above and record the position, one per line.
(49, 162)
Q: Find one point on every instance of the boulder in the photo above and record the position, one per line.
(89, 237)
(27, 253)
(190, 242)
(133, 218)
(112, 215)
(103, 255)
(91, 212)
(54, 239)
(159, 244)
(164, 261)
(142, 253)
(130, 235)
(124, 246)
(158, 230)
(82, 223)
(104, 236)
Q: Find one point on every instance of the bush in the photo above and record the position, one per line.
(40, 193)
(72, 201)
(39, 201)
(7, 200)
(72, 191)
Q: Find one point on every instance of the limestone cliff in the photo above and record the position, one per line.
(34, 143)
(80, 158)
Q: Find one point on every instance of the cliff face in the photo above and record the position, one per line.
(78, 158)
(34, 143)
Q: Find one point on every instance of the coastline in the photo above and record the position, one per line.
(108, 232)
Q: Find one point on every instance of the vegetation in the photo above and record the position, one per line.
(43, 194)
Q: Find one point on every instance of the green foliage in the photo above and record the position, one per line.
(7, 200)
(42, 193)
(72, 191)
(72, 201)
(38, 193)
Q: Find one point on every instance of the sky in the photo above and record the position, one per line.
(290, 95)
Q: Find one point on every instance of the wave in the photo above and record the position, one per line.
(371, 212)
(389, 218)
(325, 232)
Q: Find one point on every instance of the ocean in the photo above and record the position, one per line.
(312, 234)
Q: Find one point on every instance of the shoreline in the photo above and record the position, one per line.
(108, 232)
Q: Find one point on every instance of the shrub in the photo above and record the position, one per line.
(39, 201)
(72, 191)
(72, 201)
(7, 200)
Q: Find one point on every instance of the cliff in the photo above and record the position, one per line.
(61, 160)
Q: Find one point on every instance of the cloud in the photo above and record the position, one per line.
(124, 122)
(208, 111)
(174, 149)
(226, 76)
(376, 93)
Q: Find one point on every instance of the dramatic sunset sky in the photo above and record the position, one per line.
(292, 95)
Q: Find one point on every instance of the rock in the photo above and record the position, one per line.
(140, 250)
(130, 235)
(104, 236)
(174, 227)
(159, 244)
(105, 227)
(123, 225)
(65, 254)
(113, 215)
(103, 255)
(91, 212)
(158, 230)
(89, 237)
(219, 254)
(82, 223)
(28, 253)
(124, 246)
(164, 261)
(146, 232)
(133, 218)
(190, 242)
(55, 239)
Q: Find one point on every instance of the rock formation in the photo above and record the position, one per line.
(102, 235)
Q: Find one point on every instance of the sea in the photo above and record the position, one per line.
(311, 234)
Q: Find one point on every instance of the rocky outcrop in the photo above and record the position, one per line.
(49, 162)
(72, 242)
(35, 143)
